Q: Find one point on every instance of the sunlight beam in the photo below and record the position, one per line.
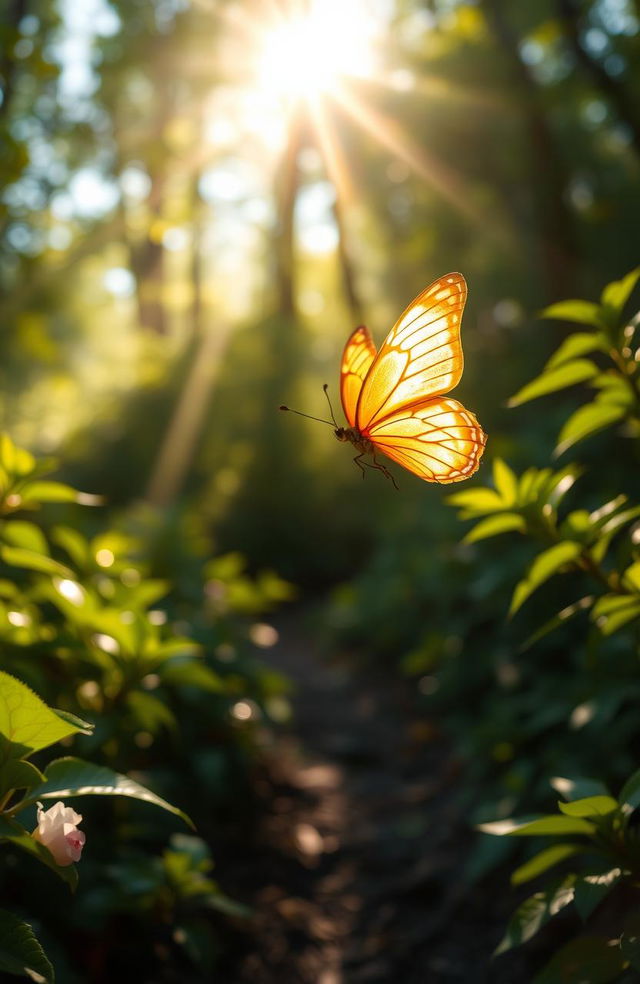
(451, 186)
(331, 151)
(178, 447)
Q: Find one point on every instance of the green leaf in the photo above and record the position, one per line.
(581, 343)
(227, 567)
(616, 294)
(592, 889)
(568, 374)
(69, 776)
(555, 487)
(505, 482)
(20, 952)
(587, 960)
(35, 492)
(576, 526)
(84, 727)
(18, 774)
(14, 833)
(586, 420)
(493, 525)
(19, 533)
(528, 484)
(546, 564)
(150, 713)
(612, 611)
(477, 501)
(631, 576)
(175, 649)
(15, 460)
(551, 825)
(589, 806)
(630, 792)
(614, 388)
(149, 591)
(543, 861)
(73, 542)
(609, 526)
(541, 826)
(582, 312)
(26, 723)
(20, 557)
(535, 912)
(600, 516)
(583, 604)
(192, 673)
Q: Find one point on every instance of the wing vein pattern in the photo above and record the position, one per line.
(421, 356)
(359, 352)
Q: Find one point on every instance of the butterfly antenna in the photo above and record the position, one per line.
(333, 416)
(308, 416)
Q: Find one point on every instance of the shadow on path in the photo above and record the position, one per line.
(355, 873)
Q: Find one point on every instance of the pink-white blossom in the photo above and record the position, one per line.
(57, 830)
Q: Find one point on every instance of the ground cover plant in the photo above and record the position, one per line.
(86, 626)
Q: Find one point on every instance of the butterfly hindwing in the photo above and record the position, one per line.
(359, 353)
(421, 356)
(436, 439)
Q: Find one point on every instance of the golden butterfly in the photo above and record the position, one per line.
(394, 399)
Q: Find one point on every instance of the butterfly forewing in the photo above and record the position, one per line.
(421, 356)
(359, 353)
(437, 439)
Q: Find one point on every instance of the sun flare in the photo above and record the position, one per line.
(307, 54)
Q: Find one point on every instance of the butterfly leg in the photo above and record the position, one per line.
(385, 471)
(357, 462)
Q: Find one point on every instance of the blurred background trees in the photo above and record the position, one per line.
(189, 230)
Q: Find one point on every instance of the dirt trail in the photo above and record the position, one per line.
(355, 872)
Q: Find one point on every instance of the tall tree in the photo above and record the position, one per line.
(549, 179)
(623, 103)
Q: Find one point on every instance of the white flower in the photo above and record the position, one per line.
(57, 830)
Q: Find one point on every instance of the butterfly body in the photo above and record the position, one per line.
(359, 441)
(394, 399)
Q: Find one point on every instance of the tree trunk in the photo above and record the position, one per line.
(16, 10)
(354, 301)
(286, 194)
(549, 178)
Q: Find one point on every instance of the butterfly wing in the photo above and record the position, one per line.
(421, 356)
(437, 439)
(359, 353)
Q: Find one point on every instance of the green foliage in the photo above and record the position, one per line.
(26, 723)
(68, 777)
(597, 839)
(580, 539)
(609, 858)
(20, 952)
(79, 620)
(618, 396)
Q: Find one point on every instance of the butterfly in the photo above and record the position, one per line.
(394, 399)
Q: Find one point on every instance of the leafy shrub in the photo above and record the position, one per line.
(594, 550)
(159, 665)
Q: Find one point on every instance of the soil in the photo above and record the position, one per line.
(355, 872)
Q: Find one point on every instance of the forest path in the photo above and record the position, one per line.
(355, 874)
